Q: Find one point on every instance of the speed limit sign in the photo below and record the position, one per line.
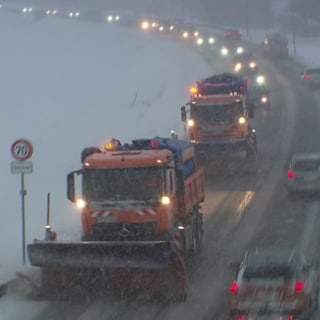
(22, 149)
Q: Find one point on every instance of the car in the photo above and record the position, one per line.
(311, 76)
(245, 62)
(275, 45)
(304, 173)
(233, 35)
(272, 280)
(259, 96)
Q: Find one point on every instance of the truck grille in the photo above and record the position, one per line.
(124, 231)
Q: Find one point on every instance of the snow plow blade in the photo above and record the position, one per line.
(148, 255)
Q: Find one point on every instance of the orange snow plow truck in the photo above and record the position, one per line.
(141, 219)
(218, 123)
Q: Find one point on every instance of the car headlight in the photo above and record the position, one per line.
(199, 41)
(252, 65)
(264, 99)
(240, 50)
(145, 25)
(242, 120)
(260, 80)
(238, 67)
(211, 40)
(196, 34)
(190, 123)
(224, 51)
(185, 35)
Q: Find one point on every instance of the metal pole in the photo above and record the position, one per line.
(23, 194)
(247, 18)
(294, 27)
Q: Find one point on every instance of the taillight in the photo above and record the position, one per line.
(290, 317)
(307, 76)
(239, 33)
(291, 175)
(299, 286)
(234, 288)
(241, 318)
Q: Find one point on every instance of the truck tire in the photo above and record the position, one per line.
(196, 234)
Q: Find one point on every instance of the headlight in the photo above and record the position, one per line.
(252, 64)
(144, 25)
(238, 67)
(110, 18)
(171, 28)
(80, 203)
(242, 120)
(165, 200)
(240, 50)
(161, 28)
(117, 18)
(211, 40)
(224, 51)
(264, 99)
(196, 34)
(190, 123)
(199, 41)
(260, 79)
(185, 35)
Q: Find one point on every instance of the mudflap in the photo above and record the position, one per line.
(82, 266)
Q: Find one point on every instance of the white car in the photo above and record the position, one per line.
(304, 172)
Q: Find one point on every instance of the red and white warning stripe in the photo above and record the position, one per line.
(177, 242)
(140, 212)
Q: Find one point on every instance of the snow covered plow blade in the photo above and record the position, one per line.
(149, 255)
(235, 155)
(122, 265)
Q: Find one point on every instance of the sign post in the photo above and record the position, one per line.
(21, 151)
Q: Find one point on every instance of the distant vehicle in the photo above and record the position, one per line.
(276, 45)
(304, 172)
(245, 63)
(189, 31)
(311, 76)
(233, 35)
(272, 282)
(259, 96)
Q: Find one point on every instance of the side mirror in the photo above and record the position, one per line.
(183, 114)
(71, 187)
(251, 110)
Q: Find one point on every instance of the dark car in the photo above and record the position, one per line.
(245, 62)
(233, 35)
(311, 76)
(259, 96)
(275, 281)
(276, 45)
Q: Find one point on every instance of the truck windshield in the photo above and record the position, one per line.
(217, 113)
(123, 184)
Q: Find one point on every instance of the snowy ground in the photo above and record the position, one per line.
(67, 85)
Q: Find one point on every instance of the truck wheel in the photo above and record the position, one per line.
(196, 235)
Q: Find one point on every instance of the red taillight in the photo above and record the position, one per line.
(234, 288)
(291, 175)
(229, 33)
(307, 76)
(241, 318)
(299, 286)
(239, 33)
(290, 317)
